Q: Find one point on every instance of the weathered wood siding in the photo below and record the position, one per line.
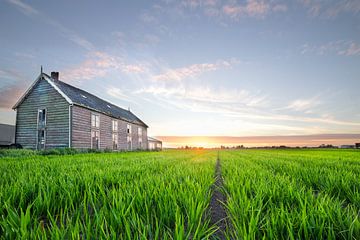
(81, 128)
(81, 131)
(43, 96)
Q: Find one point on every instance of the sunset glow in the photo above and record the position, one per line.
(260, 141)
(196, 67)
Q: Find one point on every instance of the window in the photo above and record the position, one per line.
(115, 140)
(95, 133)
(114, 125)
(140, 137)
(128, 138)
(41, 126)
(95, 136)
(95, 121)
(41, 118)
(115, 134)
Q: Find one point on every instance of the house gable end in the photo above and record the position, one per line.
(34, 84)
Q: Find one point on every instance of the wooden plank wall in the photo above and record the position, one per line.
(57, 122)
(81, 131)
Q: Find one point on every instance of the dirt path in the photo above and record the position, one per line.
(217, 210)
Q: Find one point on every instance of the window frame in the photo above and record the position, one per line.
(114, 134)
(95, 128)
(41, 128)
(96, 117)
(114, 122)
(38, 115)
(91, 137)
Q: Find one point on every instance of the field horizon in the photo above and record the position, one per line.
(314, 140)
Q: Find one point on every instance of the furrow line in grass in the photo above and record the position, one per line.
(218, 215)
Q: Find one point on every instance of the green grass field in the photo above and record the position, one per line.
(271, 194)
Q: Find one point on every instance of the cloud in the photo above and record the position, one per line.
(99, 64)
(330, 8)
(119, 94)
(340, 47)
(23, 7)
(304, 105)
(216, 9)
(192, 71)
(64, 31)
(252, 8)
(353, 49)
(10, 95)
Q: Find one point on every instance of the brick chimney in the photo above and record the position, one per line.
(55, 76)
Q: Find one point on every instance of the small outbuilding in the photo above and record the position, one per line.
(154, 144)
(347, 146)
(7, 135)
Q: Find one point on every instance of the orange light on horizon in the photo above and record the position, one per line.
(260, 141)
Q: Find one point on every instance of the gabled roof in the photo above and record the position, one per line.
(76, 96)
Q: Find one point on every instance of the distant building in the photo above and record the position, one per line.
(7, 134)
(347, 146)
(357, 145)
(54, 114)
(154, 144)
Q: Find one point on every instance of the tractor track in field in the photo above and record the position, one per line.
(218, 215)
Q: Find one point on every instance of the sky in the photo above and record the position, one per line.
(195, 67)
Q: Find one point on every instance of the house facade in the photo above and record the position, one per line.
(54, 114)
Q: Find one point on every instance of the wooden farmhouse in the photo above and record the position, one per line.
(54, 114)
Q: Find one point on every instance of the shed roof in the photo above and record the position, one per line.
(154, 140)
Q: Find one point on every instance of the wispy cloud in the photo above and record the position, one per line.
(340, 47)
(304, 105)
(99, 64)
(193, 70)
(23, 7)
(217, 9)
(64, 31)
(204, 95)
(119, 94)
(10, 93)
(252, 8)
(330, 8)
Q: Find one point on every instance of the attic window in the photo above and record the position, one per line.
(83, 96)
(108, 106)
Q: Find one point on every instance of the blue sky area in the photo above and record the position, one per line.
(193, 67)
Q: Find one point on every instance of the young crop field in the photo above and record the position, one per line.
(267, 194)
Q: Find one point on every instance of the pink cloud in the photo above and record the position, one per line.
(194, 70)
(330, 8)
(252, 8)
(99, 64)
(341, 47)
